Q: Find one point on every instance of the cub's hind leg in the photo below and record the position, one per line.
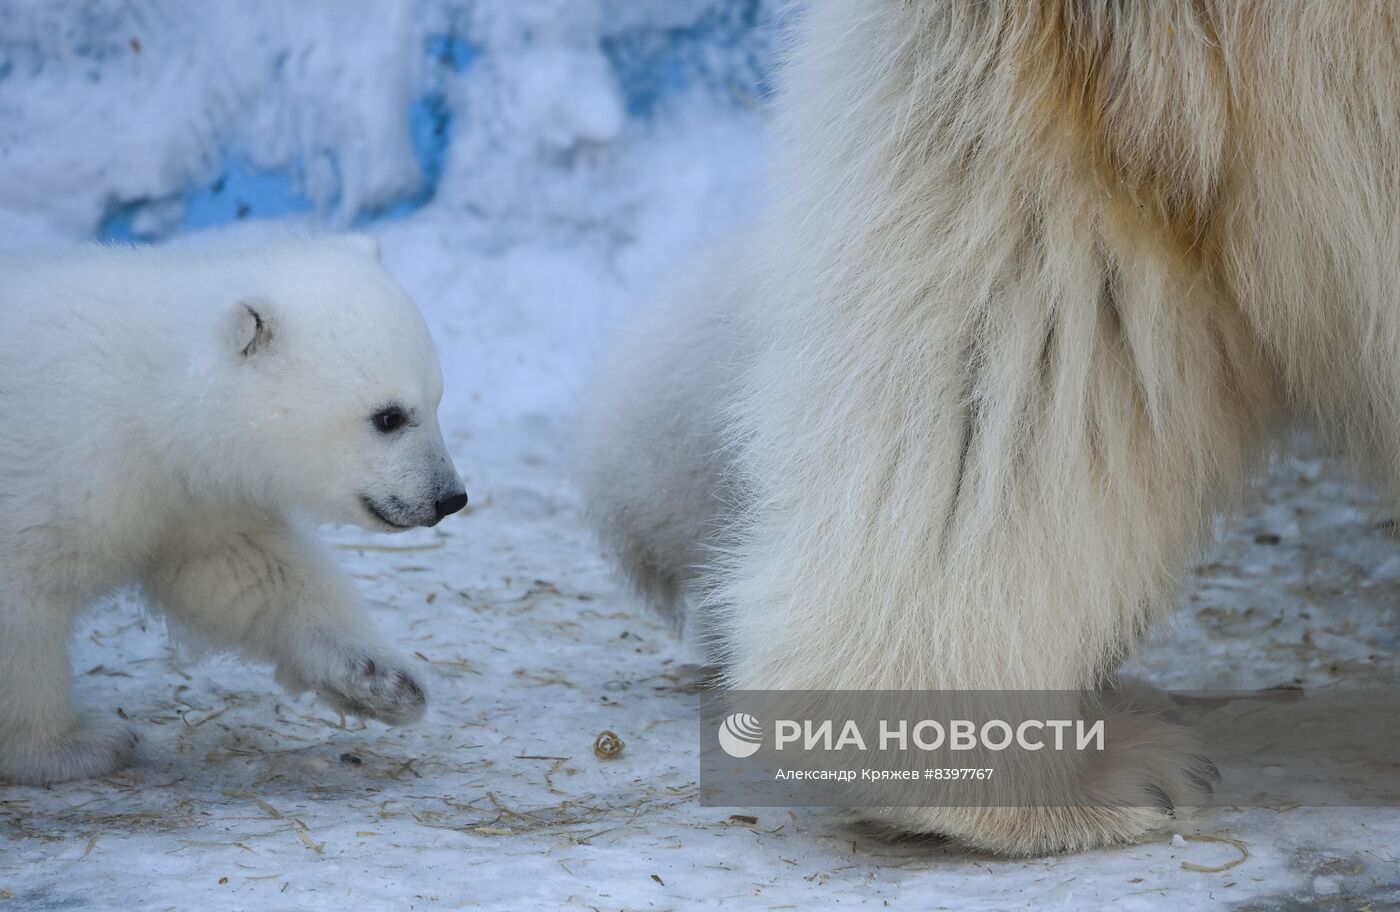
(42, 738)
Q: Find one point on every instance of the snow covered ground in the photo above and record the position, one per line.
(532, 168)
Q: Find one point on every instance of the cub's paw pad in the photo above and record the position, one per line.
(376, 687)
(86, 750)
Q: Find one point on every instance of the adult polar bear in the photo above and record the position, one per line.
(1038, 283)
(165, 410)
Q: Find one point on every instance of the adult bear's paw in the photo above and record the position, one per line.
(1150, 772)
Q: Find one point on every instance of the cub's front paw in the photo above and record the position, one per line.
(85, 750)
(374, 686)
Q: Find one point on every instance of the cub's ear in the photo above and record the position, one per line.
(249, 327)
(365, 244)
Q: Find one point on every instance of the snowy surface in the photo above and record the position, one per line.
(532, 169)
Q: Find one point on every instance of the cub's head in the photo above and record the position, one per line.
(327, 387)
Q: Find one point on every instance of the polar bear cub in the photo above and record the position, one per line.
(172, 416)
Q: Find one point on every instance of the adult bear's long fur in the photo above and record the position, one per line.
(1038, 283)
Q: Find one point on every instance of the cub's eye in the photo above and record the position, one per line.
(389, 420)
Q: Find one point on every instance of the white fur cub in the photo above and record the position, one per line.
(167, 414)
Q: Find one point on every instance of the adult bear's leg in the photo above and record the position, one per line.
(1000, 388)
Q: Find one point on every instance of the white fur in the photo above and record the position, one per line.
(651, 454)
(1039, 281)
(157, 432)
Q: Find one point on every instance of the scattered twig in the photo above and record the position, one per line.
(1241, 847)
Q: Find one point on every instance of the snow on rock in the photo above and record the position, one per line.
(136, 120)
(116, 115)
(555, 85)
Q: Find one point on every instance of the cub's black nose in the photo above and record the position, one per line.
(451, 504)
